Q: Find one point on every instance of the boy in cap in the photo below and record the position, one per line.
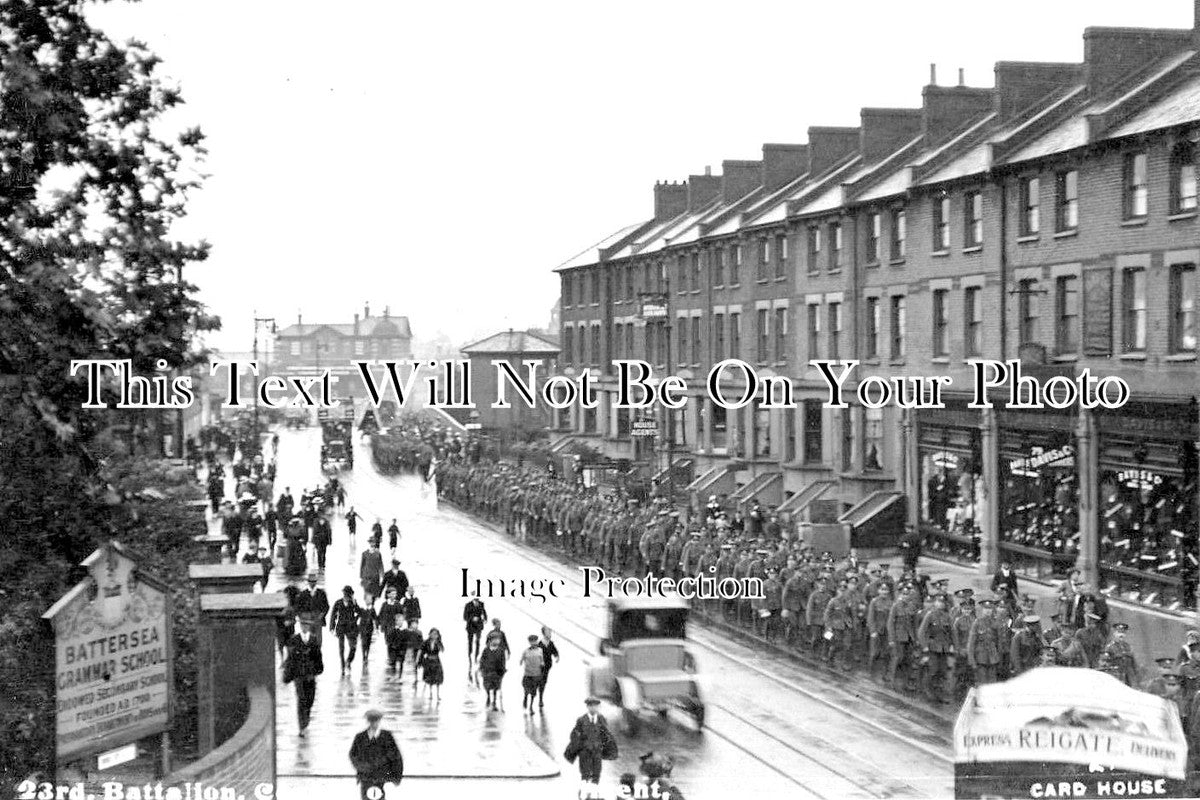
(533, 662)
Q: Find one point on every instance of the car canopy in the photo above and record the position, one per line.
(1060, 731)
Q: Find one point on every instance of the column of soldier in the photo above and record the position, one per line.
(886, 619)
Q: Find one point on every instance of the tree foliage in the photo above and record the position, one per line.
(93, 178)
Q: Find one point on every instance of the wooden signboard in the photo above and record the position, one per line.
(112, 642)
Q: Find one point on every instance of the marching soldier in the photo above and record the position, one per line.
(1120, 655)
(983, 644)
(902, 633)
(1025, 650)
(838, 619)
(877, 618)
(814, 614)
(1092, 639)
(964, 618)
(937, 646)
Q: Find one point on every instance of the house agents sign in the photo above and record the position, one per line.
(112, 657)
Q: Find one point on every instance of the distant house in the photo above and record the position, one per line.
(514, 347)
(308, 348)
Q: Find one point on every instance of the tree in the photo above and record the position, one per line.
(91, 182)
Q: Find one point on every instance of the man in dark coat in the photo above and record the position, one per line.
(1005, 577)
(591, 742)
(322, 537)
(302, 667)
(1078, 607)
(376, 758)
(475, 615)
(396, 577)
(344, 624)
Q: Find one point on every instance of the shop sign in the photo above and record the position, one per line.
(644, 427)
(112, 647)
(654, 306)
(1120, 749)
(1139, 478)
(945, 460)
(1030, 466)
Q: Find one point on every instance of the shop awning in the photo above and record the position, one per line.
(717, 480)
(682, 467)
(878, 521)
(803, 498)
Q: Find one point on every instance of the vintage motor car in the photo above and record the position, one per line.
(644, 664)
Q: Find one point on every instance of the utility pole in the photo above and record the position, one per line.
(259, 321)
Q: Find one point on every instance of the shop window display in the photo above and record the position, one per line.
(1148, 530)
(1039, 518)
(951, 492)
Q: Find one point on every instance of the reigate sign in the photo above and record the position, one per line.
(112, 642)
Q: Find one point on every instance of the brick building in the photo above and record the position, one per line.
(515, 348)
(308, 347)
(1051, 217)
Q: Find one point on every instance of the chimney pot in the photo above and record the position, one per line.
(708, 169)
(962, 78)
(933, 74)
(366, 310)
(299, 318)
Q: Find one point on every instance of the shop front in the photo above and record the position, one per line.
(1147, 504)
(1039, 493)
(950, 458)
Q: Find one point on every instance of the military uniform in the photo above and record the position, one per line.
(983, 649)
(937, 642)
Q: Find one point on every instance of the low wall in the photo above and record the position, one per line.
(246, 759)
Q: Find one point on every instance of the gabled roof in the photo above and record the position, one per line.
(591, 255)
(778, 211)
(1177, 108)
(370, 326)
(512, 342)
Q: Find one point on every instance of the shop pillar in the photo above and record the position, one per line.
(706, 423)
(989, 517)
(908, 465)
(1087, 464)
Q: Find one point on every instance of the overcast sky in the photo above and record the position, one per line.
(443, 158)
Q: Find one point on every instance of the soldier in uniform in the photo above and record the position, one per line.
(838, 621)
(902, 632)
(878, 611)
(962, 620)
(983, 643)
(725, 567)
(1120, 655)
(814, 614)
(795, 596)
(1092, 639)
(1070, 649)
(1025, 651)
(937, 647)
(672, 553)
(772, 604)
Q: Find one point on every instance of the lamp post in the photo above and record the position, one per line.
(259, 321)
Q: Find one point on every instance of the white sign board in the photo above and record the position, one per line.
(118, 756)
(113, 657)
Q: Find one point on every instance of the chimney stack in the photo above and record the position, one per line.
(782, 164)
(299, 318)
(962, 77)
(933, 74)
(670, 200)
(366, 310)
(1021, 84)
(1112, 54)
(740, 178)
(356, 324)
(702, 189)
(948, 109)
(883, 131)
(827, 146)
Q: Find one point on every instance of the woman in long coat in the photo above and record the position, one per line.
(430, 662)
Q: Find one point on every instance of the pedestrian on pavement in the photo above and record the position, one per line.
(376, 758)
(370, 572)
(319, 605)
(492, 668)
(377, 532)
(532, 660)
(498, 635)
(430, 662)
(368, 621)
(322, 538)
(549, 656)
(410, 641)
(301, 668)
(352, 518)
(475, 615)
(393, 535)
(410, 606)
(390, 625)
(343, 621)
(395, 578)
(592, 743)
